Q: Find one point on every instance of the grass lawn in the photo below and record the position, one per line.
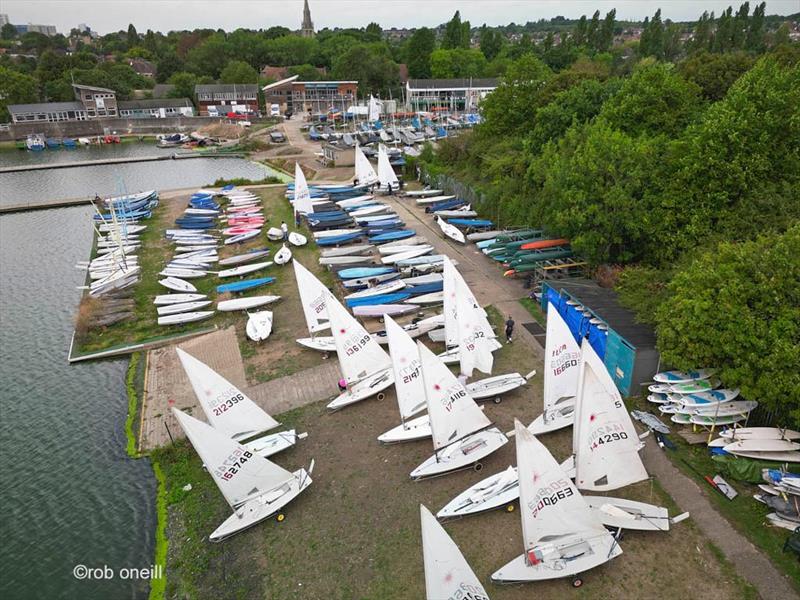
(355, 532)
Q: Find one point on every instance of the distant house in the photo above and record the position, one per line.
(447, 94)
(99, 102)
(162, 90)
(91, 103)
(311, 96)
(156, 108)
(142, 67)
(220, 99)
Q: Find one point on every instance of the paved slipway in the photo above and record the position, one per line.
(490, 287)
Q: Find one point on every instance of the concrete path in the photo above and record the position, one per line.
(490, 287)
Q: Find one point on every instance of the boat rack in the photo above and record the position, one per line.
(557, 268)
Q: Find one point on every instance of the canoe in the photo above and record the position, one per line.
(364, 272)
(244, 269)
(378, 310)
(185, 317)
(246, 303)
(544, 244)
(377, 299)
(245, 284)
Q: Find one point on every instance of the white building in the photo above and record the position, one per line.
(447, 95)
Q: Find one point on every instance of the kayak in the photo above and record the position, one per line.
(246, 284)
(377, 299)
(364, 272)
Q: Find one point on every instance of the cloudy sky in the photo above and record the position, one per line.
(111, 15)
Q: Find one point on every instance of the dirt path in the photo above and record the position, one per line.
(487, 281)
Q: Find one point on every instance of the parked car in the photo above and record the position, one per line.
(277, 137)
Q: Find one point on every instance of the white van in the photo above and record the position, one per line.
(274, 110)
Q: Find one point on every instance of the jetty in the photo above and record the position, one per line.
(118, 161)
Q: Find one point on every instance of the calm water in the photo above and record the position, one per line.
(113, 179)
(69, 493)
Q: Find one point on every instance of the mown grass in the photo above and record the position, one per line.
(535, 309)
(133, 404)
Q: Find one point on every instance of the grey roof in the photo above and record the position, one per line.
(226, 87)
(48, 107)
(93, 88)
(160, 90)
(445, 84)
(154, 103)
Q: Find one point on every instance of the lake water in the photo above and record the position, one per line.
(107, 180)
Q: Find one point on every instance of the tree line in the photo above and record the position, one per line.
(680, 176)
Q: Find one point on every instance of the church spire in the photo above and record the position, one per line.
(307, 28)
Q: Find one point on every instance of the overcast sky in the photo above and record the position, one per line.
(164, 15)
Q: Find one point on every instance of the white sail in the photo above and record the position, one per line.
(447, 573)
(407, 371)
(450, 306)
(359, 354)
(239, 473)
(364, 171)
(302, 196)
(453, 413)
(312, 298)
(226, 407)
(550, 504)
(606, 443)
(374, 109)
(386, 173)
(474, 350)
(563, 359)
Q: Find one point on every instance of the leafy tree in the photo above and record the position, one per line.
(15, 88)
(305, 72)
(715, 73)
(491, 42)
(8, 32)
(418, 51)
(755, 30)
(373, 32)
(702, 39)
(237, 71)
(781, 36)
(651, 42)
(333, 46)
(606, 35)
(209, 58)
(371, 65)
(168, 65)
(457, 62)
(276, 32)
(728, 311)
(291, 50)
(655, 100)
(133, 37)
(184, 85)
(456, 33)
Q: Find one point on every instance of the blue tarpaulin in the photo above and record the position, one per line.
(578, 323)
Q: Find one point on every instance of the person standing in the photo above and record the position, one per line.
(285, 230)
(509, 329)
(390, 187)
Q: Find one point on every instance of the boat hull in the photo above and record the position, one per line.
(643, 516)
(366, 388)
(462, 454)
(272, 444)
(320, 344)
(410, 431)
(481, 497)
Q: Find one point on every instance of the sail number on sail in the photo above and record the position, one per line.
(467, 591)
(225, 400)
(562, 360)
(231, 465)
(353, 346)
(549, 495)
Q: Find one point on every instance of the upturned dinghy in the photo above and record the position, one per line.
(182, 307)
(244, 269)
(364, 272)
(297, 239)
(254, 487)
(365, 366)
(231, 412)
(447, 573)
(450, 231)
(683, 376)
(462, 434)
(378, 311)
(562, 362)
(244, 258)
(408, 385)
(177, 285)
(763, 433)
(177, 298)
(181, 318)
(407, 254)
(183, 273)
(246, 303)
(333, 261)
(259, 325)
(561, 537)
(312, 299)
(358, 249)
(283, 256)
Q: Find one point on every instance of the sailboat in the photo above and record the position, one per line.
(561, 536)
(408, 386)
(312, 298)
(386, 174)
(364, 172)
(365, 366)
(462, 434)
(302, 195)
(254, 487)
(231, 412)
(447, 573)
(563, 356)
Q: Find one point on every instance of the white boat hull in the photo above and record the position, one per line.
(641, 516)
(581, 555)
(181, 318)
(366, 388)
(483, 496)
(493, 387)
(462, 454)
(560, 416)
(320, 344)
(410, 431)
(272, 444)
(258, 509)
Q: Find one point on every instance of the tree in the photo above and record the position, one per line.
(291, 50)
(184, 85)
(491, 42)
(8, 32)
(15, 88)
(373, 32)
(456, 33)
(237, 71)
(702, 33)
(728, 311)
(606, 36)
(755, 29)
(133, 37)
(457, 62)
(305, 72)
(167, 65)
(418, 51)
(715, 73)
(371, 65)
(209, 58)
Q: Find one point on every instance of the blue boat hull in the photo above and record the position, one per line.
(425, 288)
(470, 222)
(361, 272)
(392, 236)
(378, 299)
(338, 239)
(241, 286)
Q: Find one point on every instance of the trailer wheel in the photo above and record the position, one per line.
(510, 508)
(381, 396)
(577, 582)
(325, 355)
(478, 466)
(280, 517)
(497, 400)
